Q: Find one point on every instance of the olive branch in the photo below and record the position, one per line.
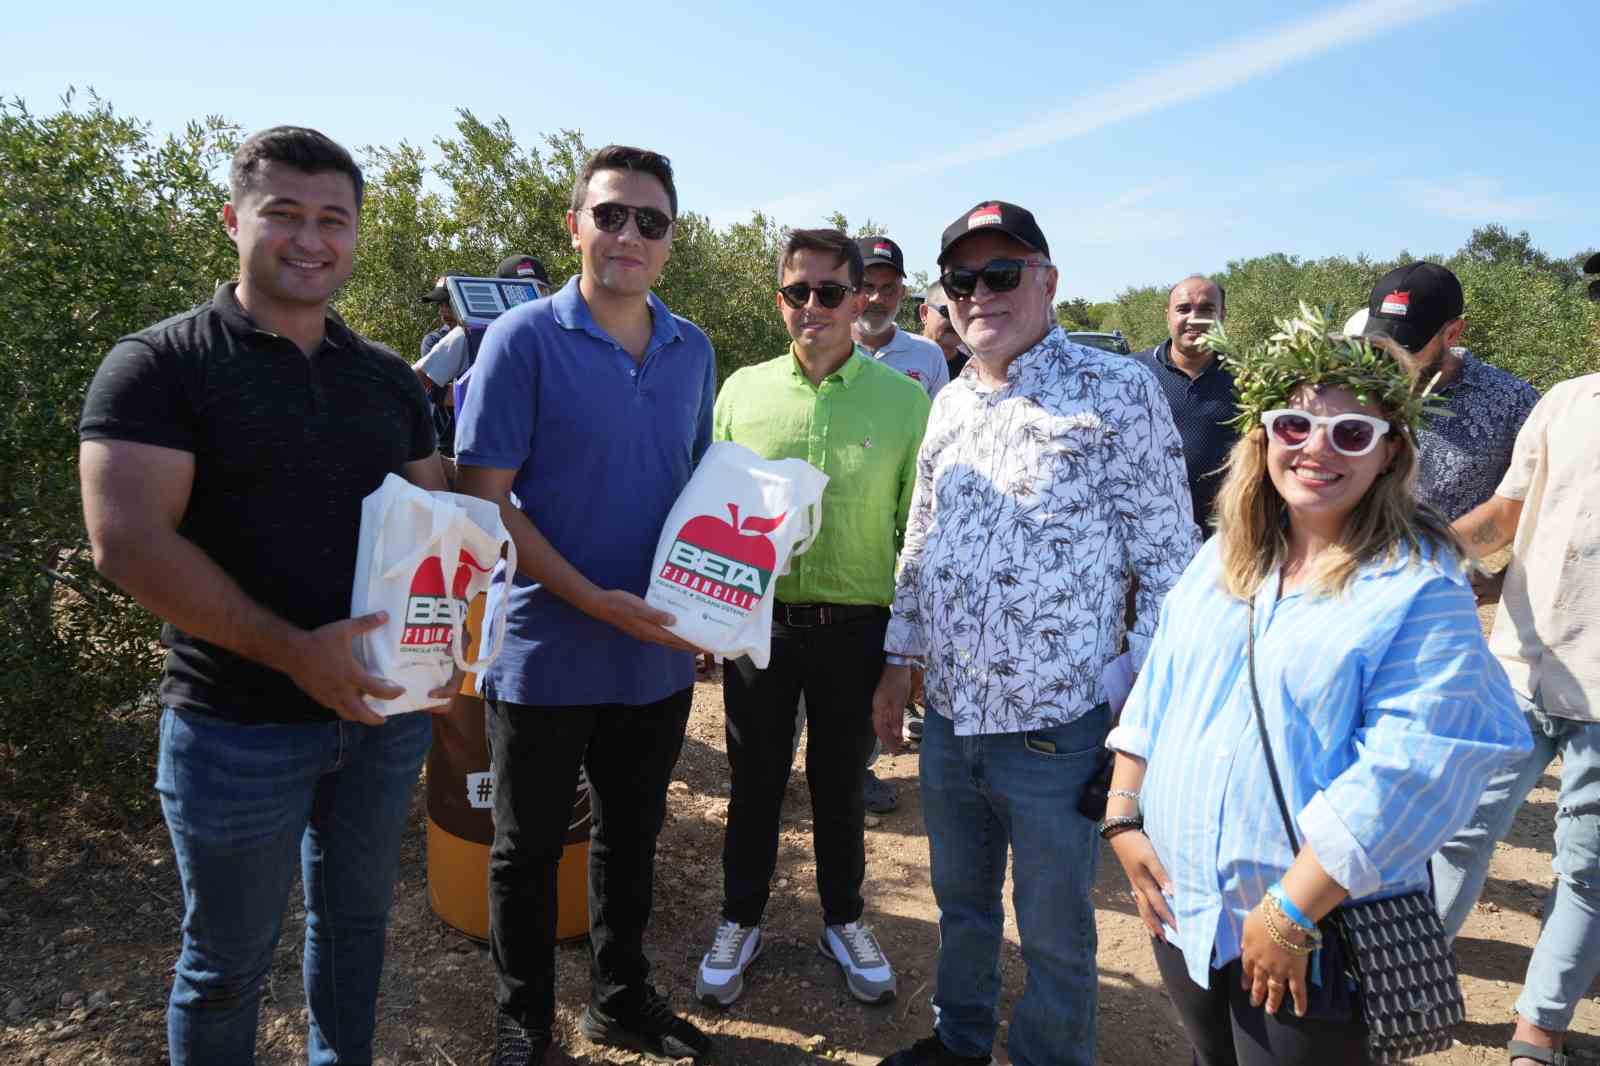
(1305, 351)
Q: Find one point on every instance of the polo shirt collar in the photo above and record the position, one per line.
(848, 371)
(225, 304)
(1164, 357)
(889, 345)
(571, 311)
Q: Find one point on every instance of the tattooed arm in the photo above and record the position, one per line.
(1490, 526)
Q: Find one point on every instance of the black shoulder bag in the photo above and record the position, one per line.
(1393, 950)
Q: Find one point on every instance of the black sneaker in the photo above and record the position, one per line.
(930, 1051)
(517, 1045)
(650, 1028)
(878, 795)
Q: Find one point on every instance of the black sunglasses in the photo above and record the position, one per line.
(1000, 275)
(830, 294)
(942, 309)
(610, 218)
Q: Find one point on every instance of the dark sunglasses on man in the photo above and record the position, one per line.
(1000, 275)
(830, 294)
(611, 217)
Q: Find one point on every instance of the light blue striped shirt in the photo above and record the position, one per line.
(1387, 715)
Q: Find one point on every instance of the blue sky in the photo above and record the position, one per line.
(1151, 138)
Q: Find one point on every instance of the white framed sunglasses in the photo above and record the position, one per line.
(1351, 434)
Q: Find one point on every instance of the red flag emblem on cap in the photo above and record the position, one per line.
(987, 215)
(1397, 303)
(882, 248)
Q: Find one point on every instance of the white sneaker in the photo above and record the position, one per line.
(867, 972)
(733, 949)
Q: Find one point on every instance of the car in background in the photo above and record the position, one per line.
(1109, 342)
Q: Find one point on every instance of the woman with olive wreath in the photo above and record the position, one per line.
(1379, 698)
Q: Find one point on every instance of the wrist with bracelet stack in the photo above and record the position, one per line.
(1112, 825)
(1276, 903)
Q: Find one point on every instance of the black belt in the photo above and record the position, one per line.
(807, 615)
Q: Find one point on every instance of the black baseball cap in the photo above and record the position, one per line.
(881, 250)
(522, 266)
(438, 295)
(1009, 219)
(1592, 266)
(1412, 303)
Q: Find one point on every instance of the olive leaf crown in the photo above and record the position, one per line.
(1305, 351)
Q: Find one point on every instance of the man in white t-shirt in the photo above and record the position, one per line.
(451, 356)
(875, 332)
(1547, 636)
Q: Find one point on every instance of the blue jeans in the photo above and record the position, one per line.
(980, 796)
(1566, 959)
(242, 803)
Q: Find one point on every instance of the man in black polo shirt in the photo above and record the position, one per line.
(1198, 388)
(225, 455)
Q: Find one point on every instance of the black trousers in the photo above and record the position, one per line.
(836, 666)
(1226, 1030)
(628, 753)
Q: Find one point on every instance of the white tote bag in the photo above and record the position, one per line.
(410, 539)
(733, 530)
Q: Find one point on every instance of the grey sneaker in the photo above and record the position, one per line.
(867, 972)
(878, 795)
(733, 949)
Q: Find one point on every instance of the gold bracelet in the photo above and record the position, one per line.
(1313, 936)
(1282, 941)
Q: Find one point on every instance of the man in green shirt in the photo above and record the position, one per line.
(860, 422)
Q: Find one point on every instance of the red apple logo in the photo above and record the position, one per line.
(429, 611)
(730, 562)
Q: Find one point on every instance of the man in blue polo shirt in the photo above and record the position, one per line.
(588, 412)
(1198, 388)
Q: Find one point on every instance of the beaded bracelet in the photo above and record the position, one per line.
(1130, 821)
(1117, 830)
(1290, 911)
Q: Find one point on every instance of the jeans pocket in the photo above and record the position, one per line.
(1083, 736)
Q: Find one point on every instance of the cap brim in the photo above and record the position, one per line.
(1401, 333)
(1592, 266)
(436, 298)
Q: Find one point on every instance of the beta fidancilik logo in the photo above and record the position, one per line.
(730, 562)
(430, 612)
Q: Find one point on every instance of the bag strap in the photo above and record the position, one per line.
(1266, 740)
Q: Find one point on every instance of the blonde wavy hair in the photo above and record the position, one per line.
(1253, 521)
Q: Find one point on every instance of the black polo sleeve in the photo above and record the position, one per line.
(138, 394)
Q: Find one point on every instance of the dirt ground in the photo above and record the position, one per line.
(89, 932)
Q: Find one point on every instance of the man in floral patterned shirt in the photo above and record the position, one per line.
(1047, 480)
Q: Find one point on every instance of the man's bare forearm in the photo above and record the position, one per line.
(537, 558)
(1490, 526)
(179, 583)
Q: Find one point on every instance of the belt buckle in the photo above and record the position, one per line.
(824, 615)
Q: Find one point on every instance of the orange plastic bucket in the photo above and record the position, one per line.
(461, 823)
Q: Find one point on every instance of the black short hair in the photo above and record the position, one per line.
(1222, 294)
(293, 146)
(622, 157)
(822, 240)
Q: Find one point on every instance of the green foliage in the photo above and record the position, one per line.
(1526, 311)
(103, 231)
(1079, 314)
(1308, 349)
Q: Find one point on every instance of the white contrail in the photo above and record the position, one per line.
(1158, 88)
